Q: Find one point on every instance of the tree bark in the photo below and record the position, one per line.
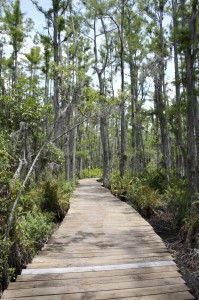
(122, 106)
(177, 128)
(103, 118)
(56, 61)
(192, 107)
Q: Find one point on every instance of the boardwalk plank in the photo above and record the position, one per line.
(92, 261)
(168, 296)
(102, 250)
(91, 280)
(112, 273)
(95, 287)
(102, 295)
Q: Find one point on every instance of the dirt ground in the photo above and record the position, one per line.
(186, 258)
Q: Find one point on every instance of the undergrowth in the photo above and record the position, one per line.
(40, 208)
(148, 194)
(136, 192)
(169, 212)
(92, 173)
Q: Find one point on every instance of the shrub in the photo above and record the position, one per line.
(6, 163)
(55, 154)
(189, 232)
(31, 201)
(4, 253)
(155, 179)
(65, 190)
(136, 191)
(56, 194)
(29, 233)
(49, 202)
(92, 173)
(35, 217)
(115, 183)
(33, 229)
(177, 203)
(145, 199)
(120, 186)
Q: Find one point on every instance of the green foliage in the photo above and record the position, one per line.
(177, 202)
(32, 199)
(115, 182)
(65, 190)
(144, 198)
(11, 274)
(55, 154)
(147, 193)
(92, 173)
(34, 57)
(15, 186)
(28, 235)
(56, 194)
(33, 229)
(13, 24)
(154, 178)
(192, 229)
(50, 199)
(82, 153)
(136, 191)
(39, 208)
(4, 253)
(6, 161)
(119, 186)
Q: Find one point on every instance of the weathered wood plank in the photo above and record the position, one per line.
(97, 295)
(94, 247)
(65, 255)
(92, 280)
(169, 296)
(98, 274)
(102, 250)
(94, 287)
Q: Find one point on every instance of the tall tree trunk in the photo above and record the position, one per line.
(122, 106)
(137, 158)
(103, 117)
(177, 128)
(133, 122)
(15, 67)
(104, 138)
(160, 110)
(192, 107)
(105, 143)
(72, 154)
(2, 88)
(56, 76)
(160, 98)
(67, 158)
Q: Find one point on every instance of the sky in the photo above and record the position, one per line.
(31, 11)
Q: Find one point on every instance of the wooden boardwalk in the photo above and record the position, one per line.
(103, 250)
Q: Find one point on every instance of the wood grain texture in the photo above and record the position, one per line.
(102, 250)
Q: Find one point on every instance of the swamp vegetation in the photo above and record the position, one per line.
(106, 89)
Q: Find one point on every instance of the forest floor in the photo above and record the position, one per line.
(186, 258)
